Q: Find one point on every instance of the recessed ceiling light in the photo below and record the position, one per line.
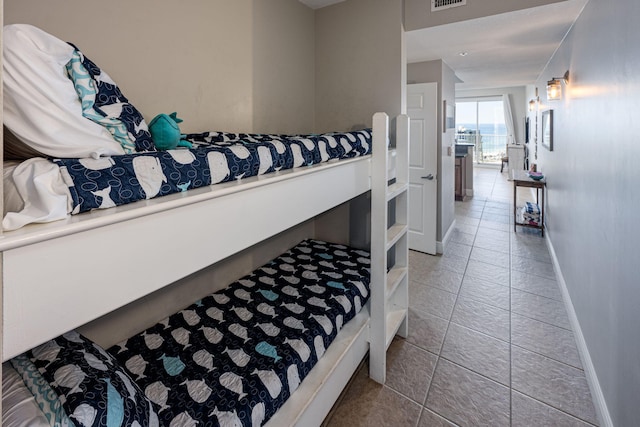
(463, 53)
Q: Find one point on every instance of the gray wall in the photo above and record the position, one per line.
(359, 52)
(593, 197)
(438, 71)
(222, 65)
(283, 66)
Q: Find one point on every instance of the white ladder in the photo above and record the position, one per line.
(389, 286)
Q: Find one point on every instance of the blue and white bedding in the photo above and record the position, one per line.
(60, 105)
(234, 357)
(216, 157)
(49, 191)
(230, 359)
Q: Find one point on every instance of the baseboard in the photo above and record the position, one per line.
(441, 246)
(592, 378)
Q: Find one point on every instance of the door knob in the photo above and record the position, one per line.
(429, 177)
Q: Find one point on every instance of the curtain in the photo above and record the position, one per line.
(508, 119)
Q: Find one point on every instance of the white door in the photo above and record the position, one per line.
(422, 108)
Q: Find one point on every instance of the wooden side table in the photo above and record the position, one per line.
(521, 179)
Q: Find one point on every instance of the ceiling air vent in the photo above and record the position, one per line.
(446, 4)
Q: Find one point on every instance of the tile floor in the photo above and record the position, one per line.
(490, 342)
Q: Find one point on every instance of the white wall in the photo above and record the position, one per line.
(593, 196)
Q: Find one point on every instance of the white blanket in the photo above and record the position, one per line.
(34, 192)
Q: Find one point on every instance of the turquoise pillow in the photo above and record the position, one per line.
(103, 103)
(45, 397)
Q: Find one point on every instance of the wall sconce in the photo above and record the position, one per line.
(533, 104)
(554, 87)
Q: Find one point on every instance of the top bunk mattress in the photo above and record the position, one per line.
(51, 190)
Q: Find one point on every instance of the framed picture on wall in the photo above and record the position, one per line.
(547, 129)
(526, 130)
(449, 115)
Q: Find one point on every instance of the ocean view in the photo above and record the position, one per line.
(485, 128)
(491, 146)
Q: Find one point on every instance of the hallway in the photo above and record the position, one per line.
(490, 342)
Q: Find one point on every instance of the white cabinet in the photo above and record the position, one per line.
(516, 158)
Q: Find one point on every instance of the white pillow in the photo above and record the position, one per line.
(41, 106)
(37, 193)
(12, 200)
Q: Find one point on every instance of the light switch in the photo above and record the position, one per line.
(449, 151)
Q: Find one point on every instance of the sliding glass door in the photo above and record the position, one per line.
(481, 121)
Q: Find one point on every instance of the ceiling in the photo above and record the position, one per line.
(317, 4)
(510, 49)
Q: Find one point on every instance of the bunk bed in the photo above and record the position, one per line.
(58, 276)
(37, 301)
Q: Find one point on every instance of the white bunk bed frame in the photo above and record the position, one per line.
(53, 280)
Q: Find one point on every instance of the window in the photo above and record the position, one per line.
(481, 122)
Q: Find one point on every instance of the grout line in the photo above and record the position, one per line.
(557, 409)
(547, 357)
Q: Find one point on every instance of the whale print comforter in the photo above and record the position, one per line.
(216, 157)
(234, 357)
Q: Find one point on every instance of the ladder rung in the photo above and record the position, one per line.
(394, 190)
(395, 233)
(394, 278)
(394, 320)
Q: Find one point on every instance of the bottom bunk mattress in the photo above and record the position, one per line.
(234, 357)
(230, 359)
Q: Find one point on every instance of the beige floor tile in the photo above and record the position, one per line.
(554, 383)
(467, 398)
(426, 331)
(494, 234)
(478, 352)
(457, 250)
(481, 317)
(460, 237)
(488, 272)
(501, 259)
(409, 369)
(431, 419)
(431, 300)
(525, 409)
(486, 292)
(495, 244)
(536, 285)
(533, 266)
(446, 280)
(529, 251)
(540, 308)
(366, 403)
(492, 225)
(551, 341)
(468, 220)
